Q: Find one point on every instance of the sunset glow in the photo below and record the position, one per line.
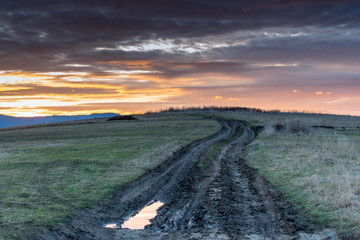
(261, 55)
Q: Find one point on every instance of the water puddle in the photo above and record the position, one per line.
(139, 220)
(142, 218)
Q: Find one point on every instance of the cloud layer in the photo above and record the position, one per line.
(131, 56)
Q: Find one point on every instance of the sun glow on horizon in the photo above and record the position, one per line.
(51, 93)
(135, 83)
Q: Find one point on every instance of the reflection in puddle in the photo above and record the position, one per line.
(142, 218)
(111, 225)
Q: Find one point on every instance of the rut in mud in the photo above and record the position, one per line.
(209, 192)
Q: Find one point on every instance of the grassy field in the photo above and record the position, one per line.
(48, 172)
(318, 169)
(258, 118)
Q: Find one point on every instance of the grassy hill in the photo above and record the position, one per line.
(50, 171)
(8, 121)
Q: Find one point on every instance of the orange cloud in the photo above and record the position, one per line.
(48, 93)
(133, 64)
(323, 93)
(37, 94)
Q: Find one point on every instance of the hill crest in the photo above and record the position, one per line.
(9, 121)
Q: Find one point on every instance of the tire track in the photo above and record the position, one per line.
(205, 197)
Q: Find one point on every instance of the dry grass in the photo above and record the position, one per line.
(269, 129)
(296, 126)
(256, 118)
(317, 168)
(319, 171)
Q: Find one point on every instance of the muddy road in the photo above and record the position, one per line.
(208, 191)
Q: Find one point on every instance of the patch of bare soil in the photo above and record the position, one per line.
(205, 198)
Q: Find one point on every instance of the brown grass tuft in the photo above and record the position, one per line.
(319, 170)
(296, 126)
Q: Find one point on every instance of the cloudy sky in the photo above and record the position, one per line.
(79, 57)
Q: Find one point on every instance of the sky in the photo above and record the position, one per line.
(64, 57)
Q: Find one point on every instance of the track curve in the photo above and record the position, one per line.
(209, 191)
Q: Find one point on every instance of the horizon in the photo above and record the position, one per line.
(57, 115)
(77, 58)
(199, 108)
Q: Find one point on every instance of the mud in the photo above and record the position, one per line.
(209, 192)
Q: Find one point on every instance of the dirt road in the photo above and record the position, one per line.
(209, 192)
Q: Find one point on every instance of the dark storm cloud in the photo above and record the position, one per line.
(46, 33)
(180, 69)
(303, 48)
(176, 51)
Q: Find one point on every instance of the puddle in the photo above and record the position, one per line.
(142, 218)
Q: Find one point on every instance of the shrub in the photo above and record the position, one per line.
(125, 117)
(296, 126)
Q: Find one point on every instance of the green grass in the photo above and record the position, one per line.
(47, 173)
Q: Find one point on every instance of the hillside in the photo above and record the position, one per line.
(46, 173)
(8, 121)
(219, 183)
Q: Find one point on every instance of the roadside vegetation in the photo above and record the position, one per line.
(319, 170)
(49, 172)
(314, 159)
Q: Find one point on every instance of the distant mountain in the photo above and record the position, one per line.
(8, 121)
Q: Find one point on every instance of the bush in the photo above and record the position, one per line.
(125, 117)
(296, 126)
